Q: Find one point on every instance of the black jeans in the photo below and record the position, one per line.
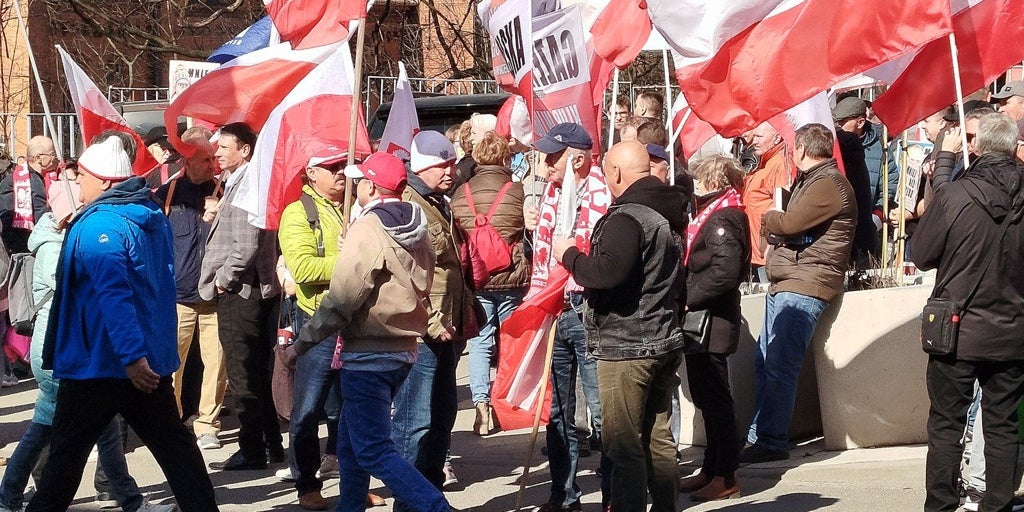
(85, 408)
(248, 332)
(951, 391)
(708, 378)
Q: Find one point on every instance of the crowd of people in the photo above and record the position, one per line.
(379, 305)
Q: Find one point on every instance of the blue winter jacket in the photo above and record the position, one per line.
(115, 290)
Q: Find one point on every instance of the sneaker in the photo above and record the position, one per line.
(756, 454)
(208, 441)
(450, 478)
(149, 507)
(973, 502)
(328, 467)
(106, 500)
(285, 475)
(8, 381)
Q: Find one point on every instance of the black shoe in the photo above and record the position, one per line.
(275, 454)
(756, 454)
(239, 462)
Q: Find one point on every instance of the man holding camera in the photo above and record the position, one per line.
(809, 249)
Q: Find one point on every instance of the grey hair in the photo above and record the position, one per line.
(997, 133)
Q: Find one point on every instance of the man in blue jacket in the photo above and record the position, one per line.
(115, 348)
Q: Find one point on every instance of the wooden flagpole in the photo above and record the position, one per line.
(354, 118)
(615, 104)
(35, 69)
(668, 120)
(538, 411)
(885, 199)
(959, 98)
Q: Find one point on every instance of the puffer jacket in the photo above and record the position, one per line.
(45, 242)
(507, 220)
(451, 302)
(298, 239)
(955, 235)
(823, 211)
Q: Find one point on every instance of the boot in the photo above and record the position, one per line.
(694, 483)
(481, 426)
(718, 489)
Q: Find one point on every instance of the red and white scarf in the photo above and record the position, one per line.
(593, 204)
(730, 199)
(22, 183)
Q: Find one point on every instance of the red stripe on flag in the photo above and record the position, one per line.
(312, 23)
(144, 161)
(612, 40)
(986, 37)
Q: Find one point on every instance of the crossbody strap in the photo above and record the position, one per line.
(313, 217)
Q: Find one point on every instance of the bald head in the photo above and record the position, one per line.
(765, 137)
(624, 164)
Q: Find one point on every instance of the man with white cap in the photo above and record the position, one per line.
(426, 405)
(114, 348)
(376, 303)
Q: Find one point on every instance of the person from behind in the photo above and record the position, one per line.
(377, 303)
(649, 104)
(971, 233)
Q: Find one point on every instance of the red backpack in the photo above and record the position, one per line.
(488, 252)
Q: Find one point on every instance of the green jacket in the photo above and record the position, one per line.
(298, 241)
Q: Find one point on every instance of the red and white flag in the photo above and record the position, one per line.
(403, 123)
(742, 62)
(293, 132)
(95, 113)
(987, 34)
(245, 89)
(310, 23)
(612, 42)
(692, 131)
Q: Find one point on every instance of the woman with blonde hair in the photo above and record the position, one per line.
(717, 259)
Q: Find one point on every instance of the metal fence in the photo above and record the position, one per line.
(125, 94)
(380, 89)
(67, 139)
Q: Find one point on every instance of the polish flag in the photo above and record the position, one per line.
(987, 34)
(814, 110)
(294, 131)
(691, 131)
(245, 89)
(742, 62)
(615, 45)
(310, 23)
(403, 123)
(524, 340)
(95, 113)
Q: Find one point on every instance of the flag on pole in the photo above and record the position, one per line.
(310, 23)
(95, 113)
(403, 123)
(742, 62)
(254, 37)
(983, 29)
(294, 131)
(693, 132)
(614, 44)
(245, 89)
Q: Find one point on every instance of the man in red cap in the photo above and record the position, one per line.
(376, 303)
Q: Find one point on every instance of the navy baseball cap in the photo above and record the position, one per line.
(656, 151)
(564, 135)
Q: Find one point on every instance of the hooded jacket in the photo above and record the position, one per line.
(45, 243)
(634, 278)
(115, 289)
(957, 231)
(377, 299)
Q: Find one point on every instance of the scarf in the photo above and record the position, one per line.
(730, 198)
(593, 203)
(22, 183)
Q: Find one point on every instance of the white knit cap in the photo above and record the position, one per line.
(106, 160)
(430, 149)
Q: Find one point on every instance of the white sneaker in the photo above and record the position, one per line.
(208, 442)
(149, 507)
(450, 478)
(285, 475)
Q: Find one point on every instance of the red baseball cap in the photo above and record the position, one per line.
(383, 169)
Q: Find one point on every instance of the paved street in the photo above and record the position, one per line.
(489, 469)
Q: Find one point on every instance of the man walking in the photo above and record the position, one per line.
(811, 242)
(114, 348)
(376, 302)
(635, 286)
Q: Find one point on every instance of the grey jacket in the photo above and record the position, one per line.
(239, 256)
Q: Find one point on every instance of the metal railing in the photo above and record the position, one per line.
(67, 139)
(380, 89)
(125, 94)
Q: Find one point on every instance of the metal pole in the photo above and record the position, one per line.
(885, 199)
(615, 104)
(35, 68)
(959, 98)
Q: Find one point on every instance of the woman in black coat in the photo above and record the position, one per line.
(717, 260)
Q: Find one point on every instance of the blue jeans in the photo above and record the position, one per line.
(569, 357)
(365, 447)
(789, 323)
(111, 458)
(312, 396)
(498, 305)
(425, 409)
